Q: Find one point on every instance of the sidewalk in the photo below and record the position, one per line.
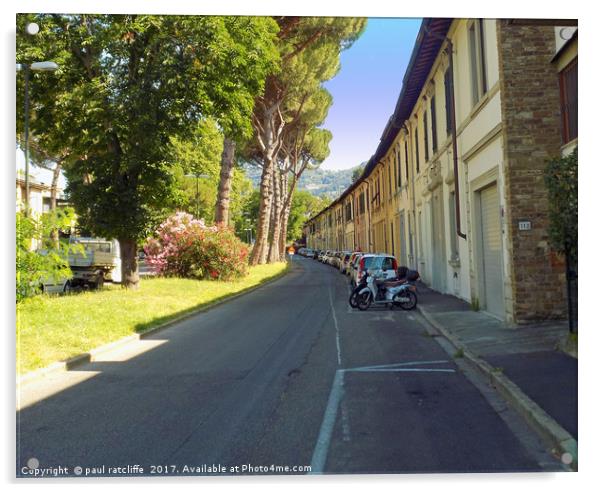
(521, 359)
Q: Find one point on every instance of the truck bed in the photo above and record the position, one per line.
(91, 259)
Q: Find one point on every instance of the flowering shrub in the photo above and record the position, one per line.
(186, 247)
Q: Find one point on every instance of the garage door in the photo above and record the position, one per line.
(491, 248)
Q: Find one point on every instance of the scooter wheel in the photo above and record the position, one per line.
(364, 300)
(409, 303)
(353, 300)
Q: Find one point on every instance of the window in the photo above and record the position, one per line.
(477, 60)
(348, 214)
(568, 100)
(362, 203)
(434, 124)
(426, 137)
(449, 87)
(417, 154)
(394, 164)
(392, 240)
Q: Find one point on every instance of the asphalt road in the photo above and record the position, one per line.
(287, 375)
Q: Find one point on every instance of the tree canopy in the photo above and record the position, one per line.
(126, 86)
(309, 50)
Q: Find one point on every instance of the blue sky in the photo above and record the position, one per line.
(366, 89)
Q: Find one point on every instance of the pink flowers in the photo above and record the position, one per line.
(186, 247)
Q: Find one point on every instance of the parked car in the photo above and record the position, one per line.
(333, 258)
(351, 262)
(60, 285)
(369, 261)
(344, 261)
(336, 261)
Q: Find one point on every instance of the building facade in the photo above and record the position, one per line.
(455, 188)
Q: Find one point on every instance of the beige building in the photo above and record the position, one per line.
(39, 196)
(455, 188)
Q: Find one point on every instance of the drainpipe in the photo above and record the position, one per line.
(413, 218)
(369, 211)
(450, 49)
(450, 56)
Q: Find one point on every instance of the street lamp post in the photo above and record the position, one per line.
(45, 66)
(249, 234)
(198, 196)
(26, 130)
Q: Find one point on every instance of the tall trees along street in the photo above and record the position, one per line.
(125, 86)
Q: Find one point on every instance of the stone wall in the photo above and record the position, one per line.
(531, 125)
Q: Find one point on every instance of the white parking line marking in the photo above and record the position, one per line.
(400, 369)
(402, 364)
(318, 460)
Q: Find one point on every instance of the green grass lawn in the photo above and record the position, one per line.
(55, 328)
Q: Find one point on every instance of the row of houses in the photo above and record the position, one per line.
(455, 188)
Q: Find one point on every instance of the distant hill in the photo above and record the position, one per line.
(319, 182)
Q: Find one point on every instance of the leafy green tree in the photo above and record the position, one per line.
(302, 143)
(127, 85)
(246, 218)
(561, 181)
(196, 163)
(357, 172)
(304, 206)
(200, 156)
(561, 178)
(41, 258)
(309, 55)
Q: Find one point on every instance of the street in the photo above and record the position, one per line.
(287, 375)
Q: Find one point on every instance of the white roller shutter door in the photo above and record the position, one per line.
(491, 247)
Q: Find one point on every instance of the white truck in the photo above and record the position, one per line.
(99, 261)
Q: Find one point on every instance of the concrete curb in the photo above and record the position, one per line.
(537, 418)
(93, 354)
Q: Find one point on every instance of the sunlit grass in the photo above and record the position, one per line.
(54, 328)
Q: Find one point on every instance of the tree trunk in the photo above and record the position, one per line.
(260, 249)
(56, 172)
(222, 204)
(283, 231)
(129, 264)
(269, 139)
(286, 195)
(274, 254)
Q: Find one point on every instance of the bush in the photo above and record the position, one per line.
(561, 181)
(186, 247)
(39, 257)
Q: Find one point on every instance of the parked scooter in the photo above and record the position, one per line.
(360, 286)
(376, 292)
